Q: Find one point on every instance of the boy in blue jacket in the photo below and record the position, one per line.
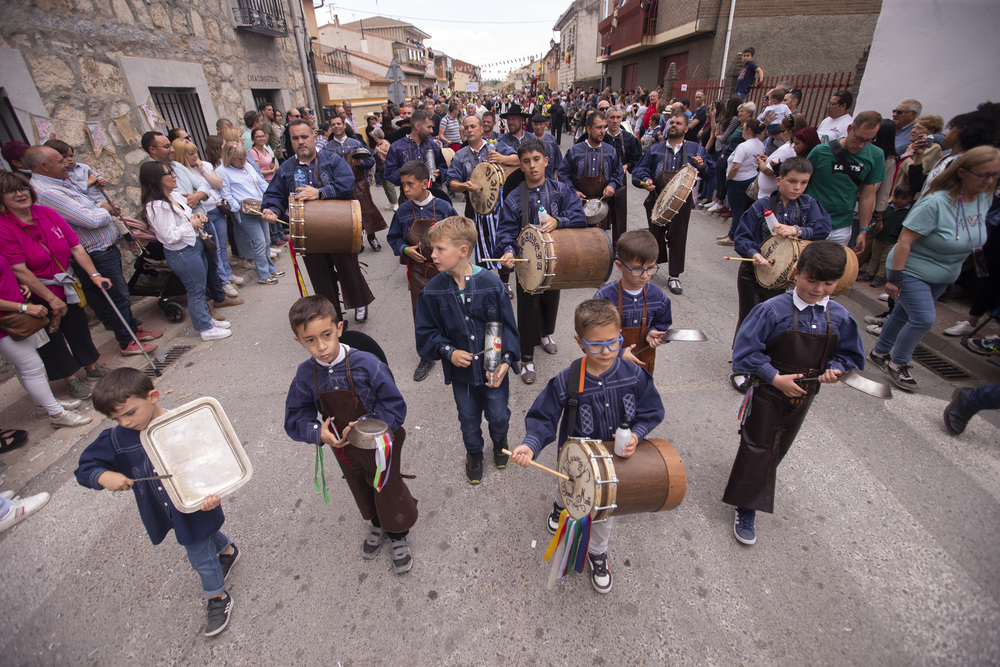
(116, 459)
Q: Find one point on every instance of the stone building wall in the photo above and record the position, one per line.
(86, 60)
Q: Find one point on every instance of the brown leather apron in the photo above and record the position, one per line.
(395, 507)
(637, 335)
(775, 419)
(592, 187)
(417, 274)
(674, 236)
(371, 216)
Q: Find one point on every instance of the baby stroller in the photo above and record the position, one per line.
(152, 276)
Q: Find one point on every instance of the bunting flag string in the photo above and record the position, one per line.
(43, 128)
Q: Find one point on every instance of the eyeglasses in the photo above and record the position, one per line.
(863, 140)
(169, 172)
(597, 348)
(987, 176)
(638, 271)
(897, 112)
(17, 190)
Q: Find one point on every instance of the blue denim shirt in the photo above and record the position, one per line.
(447, 321)
(329, 173)
(805, 212)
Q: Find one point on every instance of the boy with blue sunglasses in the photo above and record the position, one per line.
(610, 391)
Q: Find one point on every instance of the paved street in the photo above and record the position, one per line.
(884, 547)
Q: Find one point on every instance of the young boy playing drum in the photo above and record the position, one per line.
(116, 461)
(643, 307)
(453, 312)
(795, 336)
(798, 216)
(345, 386)
(407, 234)
(614, 391)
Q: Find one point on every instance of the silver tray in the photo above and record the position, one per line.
(198, 446)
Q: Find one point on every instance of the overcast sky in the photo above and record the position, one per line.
(477, 35)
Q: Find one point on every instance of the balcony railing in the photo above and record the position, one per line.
(635, 20)
(331, 61)
(266, 17)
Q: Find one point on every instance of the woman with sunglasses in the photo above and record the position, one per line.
(180, 230)
(942, 229)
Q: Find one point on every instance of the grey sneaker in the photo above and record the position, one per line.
(402, 561)
(69, 418)
(98, 372)
(77, 389)
(40, 413)
(219, 610)
(880, 360)
(743, 526)
(373, 543)
(902, 378)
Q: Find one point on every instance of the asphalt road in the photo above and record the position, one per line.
(884, 547)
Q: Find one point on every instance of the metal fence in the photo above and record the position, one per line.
(182, 108)
(816, 90)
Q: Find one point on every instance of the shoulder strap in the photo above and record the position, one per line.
(577, 373)
(841, 157)
(525, 204)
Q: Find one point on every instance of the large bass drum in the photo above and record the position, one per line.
(325, 226)
(673, 196)
(564, 258)
(489, 177)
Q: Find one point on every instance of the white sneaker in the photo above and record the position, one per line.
(39, 412)
(8, 495)
(883, 297)
(361, 314)
(215, 333)
(714, 206)
(960, 329)
(69, 418)
(874, 329)
(219, 324)
(236, 280)
(274, 254)
(395, 207)
(230, 290)
(21, 509)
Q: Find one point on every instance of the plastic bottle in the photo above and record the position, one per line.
(494, 337)
(300, 178)
(770, 220)
(542, 214)
(622, 437)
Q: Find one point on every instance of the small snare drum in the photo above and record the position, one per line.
(674, 195)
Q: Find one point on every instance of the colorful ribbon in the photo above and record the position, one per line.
(320, 469)
(298, 274)
(746, 404)
(383, 459)
(569, 546)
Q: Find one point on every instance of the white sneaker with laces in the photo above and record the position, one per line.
(215, 333)
(883, 296)
(714, 206)
(71, 404)
(274, 253)
(21, 509)
(69, 418)
(236, 280)
(230, 290)
(221, 325)
(961, 328)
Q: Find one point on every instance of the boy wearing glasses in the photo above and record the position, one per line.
(609, 391)
(643, 307)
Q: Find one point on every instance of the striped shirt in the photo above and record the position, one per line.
(93, 225)
(451, 128)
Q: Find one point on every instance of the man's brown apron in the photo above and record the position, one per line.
(417, 274)
(775, 419)
(592, 187)
(637, 335)
(674, 236)
(371, 216)
(395, 507)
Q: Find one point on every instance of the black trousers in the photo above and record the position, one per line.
(536, 317)
(71, 347)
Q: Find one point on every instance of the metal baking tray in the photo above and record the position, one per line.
(198, 446)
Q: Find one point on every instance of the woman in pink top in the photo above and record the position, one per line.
(262, 155)
(39, 244)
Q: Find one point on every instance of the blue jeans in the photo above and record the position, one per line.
(986, 397)
(260, 244)
(472, 402)
(190, 265)
(218, 228)
(737, 200)
(204, 558)
(912, 317)
(707, 189)
(108, 263)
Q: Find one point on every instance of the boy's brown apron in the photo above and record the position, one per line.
(417, 274)
(637, 335)
(674, 236)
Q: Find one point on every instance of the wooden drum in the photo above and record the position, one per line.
(325, 226)
(489, 177)
(673, 196)
(601, 484)
(785, 252)
(564, 258)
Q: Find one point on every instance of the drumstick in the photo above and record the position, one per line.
(539, 465)
(498, 259)
(744, 259)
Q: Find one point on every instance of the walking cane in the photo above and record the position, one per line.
(131, 333)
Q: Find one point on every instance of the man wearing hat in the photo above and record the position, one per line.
(515, 134)
(538, 123)
(13, 152)
(591, 167)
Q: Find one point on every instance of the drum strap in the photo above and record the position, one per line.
(577, 373)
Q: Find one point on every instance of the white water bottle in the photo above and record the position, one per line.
(542, 214)
(622, 437)
(770, 220)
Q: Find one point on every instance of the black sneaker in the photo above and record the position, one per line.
(600, 575)
(958, 414)
(552, 521)
(402, 561)
(902, 378)
(228, 560)
(500, 460)
(423, 370)
(373, 543)
(984, 346)
(474, 468)
(880, 360)
(219, 610)
(743, 526)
